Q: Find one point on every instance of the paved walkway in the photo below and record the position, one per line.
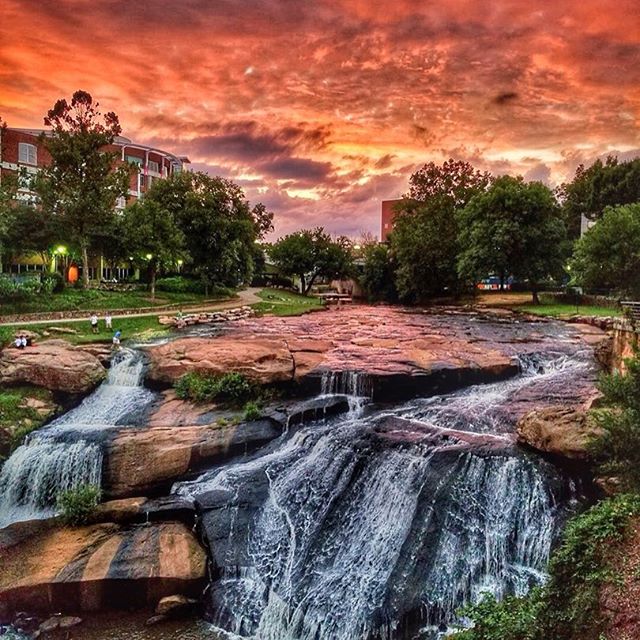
(245, 297)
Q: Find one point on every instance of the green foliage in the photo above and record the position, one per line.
(510, 619)
(311, 254)
(232, 388)
(179, 284)
(617, 449)
(151, 233)
(377, 277)
(608, 255)
(81, 184)
(78, 505)
(424, 243)
(19, 289)
(252, 411)
(566, 608)
(514, 228)
(592, 190)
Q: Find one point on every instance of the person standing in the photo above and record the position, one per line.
(107, 320)
(94, 322)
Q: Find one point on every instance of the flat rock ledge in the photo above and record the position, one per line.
(55, 365)
(103, 566)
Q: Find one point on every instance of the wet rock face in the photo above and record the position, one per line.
(101, 567)
(54, 365)
(142, 461)
(404, 354)
(560, 431)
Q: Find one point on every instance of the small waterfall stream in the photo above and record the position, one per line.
(356, 528)
(67, 453)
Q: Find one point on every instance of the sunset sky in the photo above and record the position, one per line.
(321, 108)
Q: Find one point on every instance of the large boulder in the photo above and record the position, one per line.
(55, 365)
(558, 430)
(100, 566)
(142, 461)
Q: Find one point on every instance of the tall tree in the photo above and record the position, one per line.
(151, 235)
(514, 228)
(593, 189)
(377, 278)
(310, 254)
(608, 255)
(82, 183)
(424, 240)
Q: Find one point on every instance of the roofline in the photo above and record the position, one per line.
(120, 141)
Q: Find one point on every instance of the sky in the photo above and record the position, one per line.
(322, 108)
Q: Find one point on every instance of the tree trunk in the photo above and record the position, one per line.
(303, 288)
(152, 274)
(534, 293)
(502, 278)
(313, 279)
(85, 267)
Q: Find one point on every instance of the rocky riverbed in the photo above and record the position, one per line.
(382, 407)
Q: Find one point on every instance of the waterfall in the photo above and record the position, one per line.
(68, 453)
(357, 527)
(355, 385)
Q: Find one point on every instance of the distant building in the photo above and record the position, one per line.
(387, 218)
(22, 150)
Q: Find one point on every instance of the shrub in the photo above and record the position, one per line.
(179, 284)
(53, 282)
(11, 289)
(617, 449)
(233, 388)
(77, 505)
(252, 411)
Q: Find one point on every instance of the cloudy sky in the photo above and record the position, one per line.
(321, 108)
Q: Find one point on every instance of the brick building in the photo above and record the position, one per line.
(22, 150)
(388, 214)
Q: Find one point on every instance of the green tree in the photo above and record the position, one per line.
(311, 254)
(424, 240)
(593, 189)
(608, 255)
(82, 183)
(151, 234)
(617, 449)
(378, 274)
(514, 228)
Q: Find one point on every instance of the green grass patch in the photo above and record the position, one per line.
(72, 299)
(557, 310)
(231, 388)
(285, 303)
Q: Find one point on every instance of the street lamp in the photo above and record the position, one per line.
(149, 256)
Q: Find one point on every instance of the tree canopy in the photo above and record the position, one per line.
(81, 184)
(608, 255)
(514, 228)
(310, 254)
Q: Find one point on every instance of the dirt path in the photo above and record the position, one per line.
(245, 297)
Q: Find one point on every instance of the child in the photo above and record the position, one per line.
(116, 338)
(18, 342)
(94, 322)
(107, 321)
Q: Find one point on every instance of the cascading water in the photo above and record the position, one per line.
(374, 526)
(68, 452)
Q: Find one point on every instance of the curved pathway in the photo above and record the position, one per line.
(244, 297)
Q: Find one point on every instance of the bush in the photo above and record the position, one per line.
(617, 449)
(252, 411)
(53, 282)
(233, 388)
(16, 290)
(179, 284)
(77, 505)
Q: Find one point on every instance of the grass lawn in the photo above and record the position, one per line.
(285, 303)
(555, 310)
(94, 299)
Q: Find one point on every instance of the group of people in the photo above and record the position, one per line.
(108, 326)
(22, 341)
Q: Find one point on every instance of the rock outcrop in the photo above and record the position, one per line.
(54, 365)
(560, 431)
(102, 566)
(143, 461)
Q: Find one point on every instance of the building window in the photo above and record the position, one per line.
(27, 153)
(134, 160)
(154, 166)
